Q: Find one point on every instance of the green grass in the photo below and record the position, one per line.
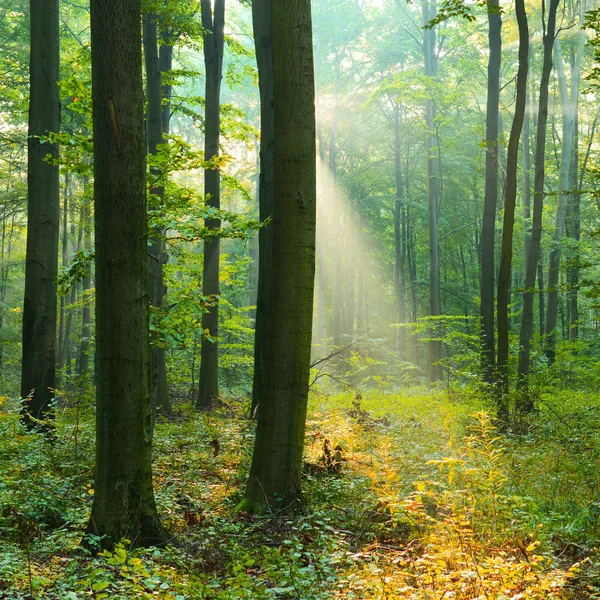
(408, 496)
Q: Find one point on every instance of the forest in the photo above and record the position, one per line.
(299, 299)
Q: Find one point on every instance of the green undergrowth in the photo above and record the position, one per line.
(408, 495)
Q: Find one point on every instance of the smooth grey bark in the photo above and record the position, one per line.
(214, 23)
(490, 201)
(504, 275)
(275, 474)
(524, 401)
(262, 19)
(159, 391)
(569, 103)
(38, 367)
(433, 199)
(123, 503)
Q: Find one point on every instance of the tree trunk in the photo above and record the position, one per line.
(262, 22)
(524, 401)
(490, 202)
(399, 238)
(433, 202)
(86, 317)
(60, 360)
(124, 503)
(214, 24)
(504, 276)
(38, 374)
(159, 391)
(568, 109)
(277, 459)
(573, 231)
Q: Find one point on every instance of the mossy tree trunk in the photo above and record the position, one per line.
(38, 374)
(277, 459)
(124, 503)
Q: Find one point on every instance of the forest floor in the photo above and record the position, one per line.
(409, 496)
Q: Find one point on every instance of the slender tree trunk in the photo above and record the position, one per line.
(337, 296)
(504, 275)
(38, 374)
(262, 19)
(86, 316)
(490, 201)
(399, 237)
(525, 401)
(527, 176)
(569, 109)
(277, 459)
(214, 23)
(573, 231)
(124, 503)
(159, 391)
(60, 360)
(433, 202)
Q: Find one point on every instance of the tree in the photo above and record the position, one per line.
(490, 202)
(156, 252)
(38, 370)
(277, 458)
(262, 23)
(504, 276)
(214, 24)
(433, 195)
(524, 402)
(124, 503)
(569, 108)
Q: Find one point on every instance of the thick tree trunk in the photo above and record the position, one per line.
(159, 391)
(504, 275)
(490, 202)
(124, 503)
(262, 19)
(524, 401)
(277, 460)
(214, 23)
(38, 374)
(433, 200)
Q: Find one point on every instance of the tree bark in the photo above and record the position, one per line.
(214, 24)
(490, 201)
(124, 503)
(38, 372)
(504, 276)
(524, 401)
(433, 200)
(86, 316)
(277, 459)
(568, 109)
(262, 19)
